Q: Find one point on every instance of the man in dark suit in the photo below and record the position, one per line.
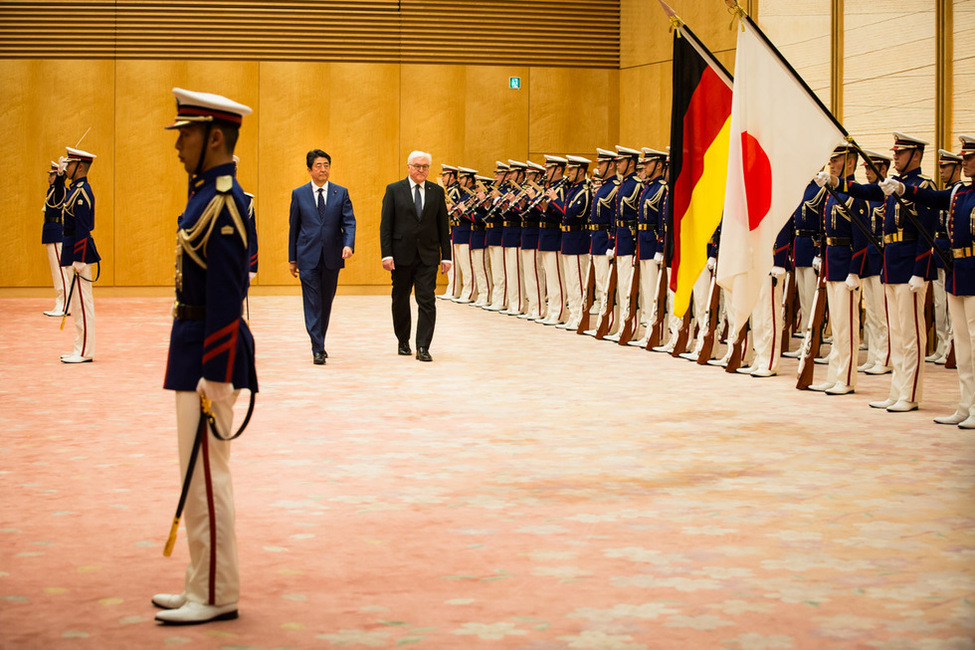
(321, 238)
(415, 238)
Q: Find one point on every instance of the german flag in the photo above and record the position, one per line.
(699, 132)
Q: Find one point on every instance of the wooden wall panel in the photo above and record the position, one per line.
(496, 119)
(351, 111)
(573, 111)
(150, 182)
(644, 117)
(49, 105)
(644, 35)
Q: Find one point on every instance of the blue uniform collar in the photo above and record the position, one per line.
(78, 182)
(210, 175)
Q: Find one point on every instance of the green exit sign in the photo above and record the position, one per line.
(514, 83)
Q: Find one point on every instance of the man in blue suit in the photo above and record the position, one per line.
(321, 238)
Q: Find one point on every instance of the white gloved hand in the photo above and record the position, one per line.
(777, 271)
(251, 275)
(62, 164)
(916, 283)
(610, 253)
(891, 186)
(658, 258)
(817, 263)
(78, 266)
(712, 263)
(853, 281)
(821, 178)
(216, 391)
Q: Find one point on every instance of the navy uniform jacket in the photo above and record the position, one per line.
(875, 257)
(808, 219)
(494, 218)
(650, 218)
(511, 219)
(78, 219)
(52, 233)
(780, 250)
(846, 245)
(474, 214)
(460, 228)
(602, 216)
(627, 206)
(313, 239)
(906, 253)
(574, 206)
(215, 342)
(960, 280)
(941, 238)
(530, 219)
(252, 241)
(550, 233)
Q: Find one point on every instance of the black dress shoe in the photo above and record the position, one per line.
(423, 355)
(319, 359)
(404, 349)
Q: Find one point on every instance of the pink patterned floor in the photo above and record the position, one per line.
(530, 489)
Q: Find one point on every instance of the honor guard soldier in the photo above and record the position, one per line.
(959, 201)
(807, 222)
(552, 210)
(531, 262)
(511, 239)
(845, 260)
(625, 223)
(460, 284)
(650, 233)
(211, 351)
(52, 235)
(478, 248)
(907, 269)
(602, 221)
(78, 251)
(874, 307)
(949, 167)
(575, 235)
(494, 236)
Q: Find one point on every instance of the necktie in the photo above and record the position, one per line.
(321, 202)
(417, 201)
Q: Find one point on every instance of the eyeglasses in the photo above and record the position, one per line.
(420, 167)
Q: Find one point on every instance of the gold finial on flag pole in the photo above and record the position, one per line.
(737, 13)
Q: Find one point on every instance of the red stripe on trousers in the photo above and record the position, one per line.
(211, 518)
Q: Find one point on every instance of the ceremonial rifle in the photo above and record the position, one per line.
(790, 316)
(587, 300)
(628, 327)
(710, 321)
(737, 349)
(814, 328)
(683, 331)
(660, 309)
(606, 317)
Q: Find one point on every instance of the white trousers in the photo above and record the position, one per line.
(499, 294)
(462, 260)
(908, 338)
(844, 318)
(82, 310)
(513, 279)
(767, 326)
(875, 325)
(648, 291)
(479, 268)
(531, 265)
(576, 275)
(452, 282)
(624, 282)
(806, 281)
(59, 277)
(212, 577)
(602, 266)
(554, 286)
(962, 311)
(941, 316)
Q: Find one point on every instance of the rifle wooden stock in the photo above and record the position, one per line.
(737, 350)
(660, 313)
(628, 328)
(710, 322)
(587, 299)
(814, 329)
(606, 318)
(950, 362)
(684, 332)
(929, 320)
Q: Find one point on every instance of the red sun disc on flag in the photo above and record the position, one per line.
(758, 179)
